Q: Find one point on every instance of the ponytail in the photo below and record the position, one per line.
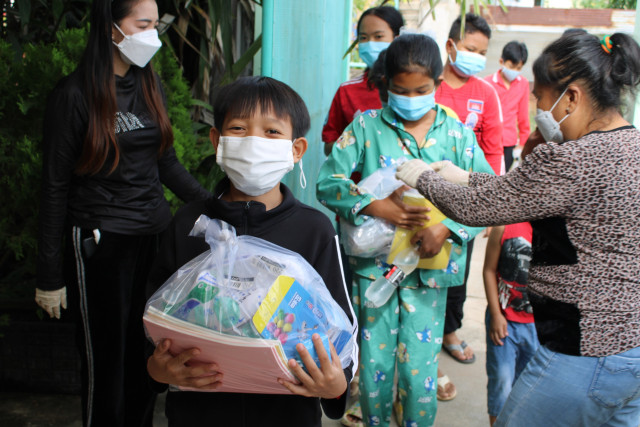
(607, 69)
(625, 61)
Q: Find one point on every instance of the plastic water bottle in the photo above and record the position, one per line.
(381, 289)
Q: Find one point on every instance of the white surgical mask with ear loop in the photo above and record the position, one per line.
(138, 48)
(303, 179)
(548, 126)
(255, 165)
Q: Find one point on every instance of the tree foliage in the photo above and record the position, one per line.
(606, 4)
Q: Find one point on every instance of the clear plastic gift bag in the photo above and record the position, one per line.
(248, 287)
(374, 236)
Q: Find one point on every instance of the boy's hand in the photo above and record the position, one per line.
(327, 381)
(498, 329)
(431, 240)
(394, 210)
(165, 368)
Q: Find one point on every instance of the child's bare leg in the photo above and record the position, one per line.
(355, 389)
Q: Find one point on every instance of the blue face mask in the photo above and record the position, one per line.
(468, 63)
(369, 51)
(510, 74)
(412, 108)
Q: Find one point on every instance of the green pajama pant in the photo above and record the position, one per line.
(407, 329)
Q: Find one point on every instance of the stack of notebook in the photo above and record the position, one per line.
(249, 365)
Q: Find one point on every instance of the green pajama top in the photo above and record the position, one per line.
(376, 139)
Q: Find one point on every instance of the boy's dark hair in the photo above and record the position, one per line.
(515, 52)
(579, 57)
(247, 95)
(473, 24)
(388, 14)
(411, 51)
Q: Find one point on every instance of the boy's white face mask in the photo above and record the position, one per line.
(138, 48)
(254, 165)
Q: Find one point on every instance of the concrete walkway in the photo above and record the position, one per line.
(468, 409)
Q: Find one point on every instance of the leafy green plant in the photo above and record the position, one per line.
(214, 41)
(25, 83)
(191, 140)
(33, 21)
(465, 7)
(606, 4)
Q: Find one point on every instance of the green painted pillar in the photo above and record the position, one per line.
(303, 47)
(266, 57)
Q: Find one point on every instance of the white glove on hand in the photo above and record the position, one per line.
(410, 171)
(51, 301)
(451, 172)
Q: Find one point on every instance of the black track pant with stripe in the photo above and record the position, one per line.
(108, 290)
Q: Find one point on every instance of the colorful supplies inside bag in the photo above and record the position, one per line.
(374, 236)
(250, 288)
(290, 314)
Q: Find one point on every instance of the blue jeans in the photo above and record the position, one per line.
(560, 390)
(506, 362)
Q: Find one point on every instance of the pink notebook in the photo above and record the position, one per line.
(249, 365)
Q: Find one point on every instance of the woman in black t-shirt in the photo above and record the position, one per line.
(107, 153)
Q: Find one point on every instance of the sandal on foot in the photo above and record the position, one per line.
(450, 348)
(442, 384)
(353, 416)
(354, 388)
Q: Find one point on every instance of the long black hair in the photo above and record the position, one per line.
(581, 58)
(98, 81)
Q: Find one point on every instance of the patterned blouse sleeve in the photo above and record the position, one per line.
(543, 186)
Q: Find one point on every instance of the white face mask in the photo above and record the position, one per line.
(139, 48)
(254, 165)
(548, 126)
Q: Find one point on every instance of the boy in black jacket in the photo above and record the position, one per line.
(256, 120)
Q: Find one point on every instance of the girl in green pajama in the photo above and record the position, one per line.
(408, 328)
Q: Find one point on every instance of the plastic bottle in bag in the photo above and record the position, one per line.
(381, 289)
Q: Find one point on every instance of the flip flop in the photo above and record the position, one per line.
(442, 383)
(354, 388)
(355, 412)
(450, 348)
